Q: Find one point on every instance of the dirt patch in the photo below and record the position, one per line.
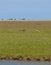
(35, 30)
(25, 58)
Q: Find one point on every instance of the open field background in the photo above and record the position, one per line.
(25, 38)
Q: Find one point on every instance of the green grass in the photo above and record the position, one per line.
(35, 41)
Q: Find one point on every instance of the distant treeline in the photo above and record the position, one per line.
(14, 19)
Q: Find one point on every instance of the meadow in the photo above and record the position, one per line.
(25, 38)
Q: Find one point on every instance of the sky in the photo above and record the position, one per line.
(28, 9)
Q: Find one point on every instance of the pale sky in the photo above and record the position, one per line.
(28, 9)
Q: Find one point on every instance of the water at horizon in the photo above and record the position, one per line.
(23, 63)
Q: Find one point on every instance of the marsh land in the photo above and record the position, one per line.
(25, 38)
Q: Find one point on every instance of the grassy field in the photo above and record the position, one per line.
(25, 38)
